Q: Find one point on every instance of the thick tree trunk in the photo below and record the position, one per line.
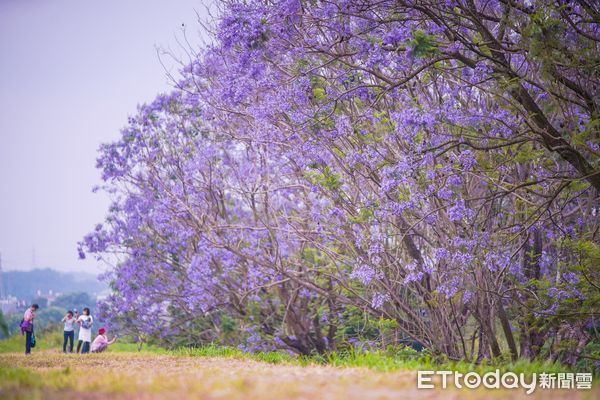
(484, 316)
(510, 340)
(483, 349)
(531, 339)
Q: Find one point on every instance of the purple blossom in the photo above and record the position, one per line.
(364, 273)
(459, 212)
(379, 300)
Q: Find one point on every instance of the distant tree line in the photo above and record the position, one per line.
(25, 284)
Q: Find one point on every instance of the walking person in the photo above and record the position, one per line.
(101, 342)
(69, 331)
(85, 322)
(27, 327)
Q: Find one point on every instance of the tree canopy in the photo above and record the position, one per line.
(432, 165)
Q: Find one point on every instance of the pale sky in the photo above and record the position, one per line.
(71, 71)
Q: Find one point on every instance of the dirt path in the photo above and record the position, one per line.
(145, 376)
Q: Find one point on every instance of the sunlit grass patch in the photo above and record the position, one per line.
(44, 341)
(127, 347)
(396, 359)
(232, 352)
(220, 373)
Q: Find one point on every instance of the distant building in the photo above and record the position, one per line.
(9, 305)
(50, 297)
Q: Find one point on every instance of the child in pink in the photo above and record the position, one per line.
(101, 342)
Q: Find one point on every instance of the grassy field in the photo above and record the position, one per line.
(225, 373)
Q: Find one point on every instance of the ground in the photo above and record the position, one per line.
(49, 374)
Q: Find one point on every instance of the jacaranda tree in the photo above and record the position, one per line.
(429, 164)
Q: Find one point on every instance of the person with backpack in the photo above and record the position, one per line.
(27, 328)
(85, 322)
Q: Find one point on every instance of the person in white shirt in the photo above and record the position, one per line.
(85, 322)
(69, 331)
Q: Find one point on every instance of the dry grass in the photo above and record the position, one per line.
(51, 375)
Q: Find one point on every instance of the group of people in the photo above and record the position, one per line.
(71, 320)
(85, 322)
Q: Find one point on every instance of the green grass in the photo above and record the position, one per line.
(375, 360)
(128, 347)
(53, 341)
(128, 371)
(44, 341)
(386, 362)
(212, 350)
(383, 361)
(393, 359)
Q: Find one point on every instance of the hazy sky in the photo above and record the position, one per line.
(71, 71)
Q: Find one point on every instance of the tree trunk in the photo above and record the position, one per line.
(531, 340)
(510, 339)
(483, 349)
